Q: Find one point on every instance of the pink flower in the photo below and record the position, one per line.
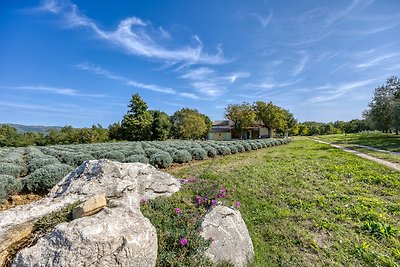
(222, 190)
(213, 202)
(237, 204)
(178, 210)
(199, 199)
(221, 195)
(184, 242)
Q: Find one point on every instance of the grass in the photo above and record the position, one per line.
(390, 142)
(305, 204)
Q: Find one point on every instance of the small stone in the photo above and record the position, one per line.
(90, 206)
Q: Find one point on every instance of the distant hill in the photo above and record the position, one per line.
(32, 128)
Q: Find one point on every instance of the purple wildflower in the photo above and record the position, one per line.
(199, 199)
(237, 204)
(184, 242)
(178, 210)
(213, 202)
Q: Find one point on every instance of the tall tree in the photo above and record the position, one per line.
(290, 122)
(189, 124)
(161, 125)
(242, 115)
(383, 106)
(136, 124)
(271, 115)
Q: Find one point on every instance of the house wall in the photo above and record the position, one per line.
(220, 136)
(263, 132)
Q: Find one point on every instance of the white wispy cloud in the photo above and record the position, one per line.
(53, 90)
(300, 67)
(132, 83)
(209, 82)
(335, 91)
(35, 107)
(95, 69)
(320, 23)
(264, 20)
(370, 62)
(137, 37)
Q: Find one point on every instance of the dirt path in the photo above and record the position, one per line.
(391, 165)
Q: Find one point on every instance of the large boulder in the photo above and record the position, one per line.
(123, 185)
(113, 237)
(230, 239)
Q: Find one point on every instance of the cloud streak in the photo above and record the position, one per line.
(53, 90)
(208, 82)
(332, 92)
(137, 37)
(97, 70)
(300, 67)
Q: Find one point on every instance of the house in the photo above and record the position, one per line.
(221, 130)
(225, 130)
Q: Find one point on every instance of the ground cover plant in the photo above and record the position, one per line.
(308, 204)
(38, 169)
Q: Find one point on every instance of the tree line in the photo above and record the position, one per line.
(138, 124)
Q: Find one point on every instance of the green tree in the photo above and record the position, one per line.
(242, 115)
(136, 124)
(382, 112)
(161, 125)
(189, 124)
(8, 135)
(115, 131)
(271, 115)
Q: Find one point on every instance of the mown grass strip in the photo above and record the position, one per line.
(308, 204)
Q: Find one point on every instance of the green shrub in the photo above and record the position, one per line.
(181, 156)
(246, 146)
(239, 148)
(113, 155)
(97, 153)
(223, 150)
(8, 185)
(151, 151)
(233, 149)
(46, 177)
(37, 163)
(138, 150)
(137, 158)
(198, 153)
(253, 146)
(171, 150)
(74, 159)
(211, 152)
(11, 169)
(161, 159)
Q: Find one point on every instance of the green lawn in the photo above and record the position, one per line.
(305, 204)
(389, 142)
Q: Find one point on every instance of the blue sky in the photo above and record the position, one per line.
(78, 62)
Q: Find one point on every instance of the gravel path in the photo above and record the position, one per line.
(394, 166)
